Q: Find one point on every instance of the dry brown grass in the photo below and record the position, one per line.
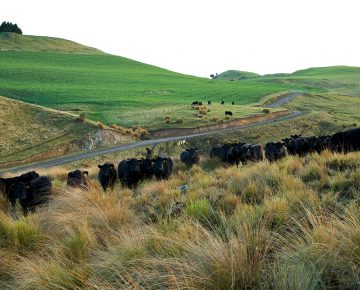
(293, 224)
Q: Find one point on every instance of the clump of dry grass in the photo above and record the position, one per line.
(101, 126)
(180, 121)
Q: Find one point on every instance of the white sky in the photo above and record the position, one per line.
(201, 37)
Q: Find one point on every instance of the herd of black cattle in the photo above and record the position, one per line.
(32, 190)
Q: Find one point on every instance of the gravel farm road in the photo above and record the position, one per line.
(151, 142)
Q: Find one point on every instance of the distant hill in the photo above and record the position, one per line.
(16, 42)
(329, 71)
(235, 75)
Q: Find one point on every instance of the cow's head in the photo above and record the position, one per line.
(106, 169)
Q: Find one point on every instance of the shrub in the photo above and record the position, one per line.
(167, 121)
(167, 117)
(9, 27)
(266, 111)
(101, 126)
(180, 121)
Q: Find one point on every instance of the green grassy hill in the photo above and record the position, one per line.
(113, 89)
(235, 75)
(335, 79)
(16, 42)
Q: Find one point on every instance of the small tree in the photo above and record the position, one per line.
(9, 27)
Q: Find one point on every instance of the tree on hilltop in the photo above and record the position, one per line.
(9, 27)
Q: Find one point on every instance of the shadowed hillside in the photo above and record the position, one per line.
(32, 132)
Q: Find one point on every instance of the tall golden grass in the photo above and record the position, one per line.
(294, 224)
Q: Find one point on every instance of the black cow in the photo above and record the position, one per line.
(37, 192)
(225, 153)
(209, 102)
(129, 172)
(190, 157)
(195, 103)
(237, 153)
(322, 143)
(200, 103)
(146, 168)
(222, 102)
(275, 151)
(233, 103)
(107, 175)
(228, 113)
(250, 152)
(297, 145)
(5, 183)
(162, 167)
(77, 178)
(345, 141)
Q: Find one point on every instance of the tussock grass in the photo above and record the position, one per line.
(293, 224)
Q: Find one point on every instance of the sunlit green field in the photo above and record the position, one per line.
(108, 87)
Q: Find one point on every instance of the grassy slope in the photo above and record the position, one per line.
(16, 42)
(28, 130)
(293, 224)
(108, 87)
(236, 75)
(336, 79)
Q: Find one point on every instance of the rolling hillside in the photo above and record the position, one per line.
(236, 75)
(113, 89)
(17, 42)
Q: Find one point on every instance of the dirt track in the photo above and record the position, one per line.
(152, 142)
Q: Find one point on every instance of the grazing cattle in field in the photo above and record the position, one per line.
(107, 175)
(233, 103)
(222, 102)
(274, 151)
(146, 168)
(209, 102)
(6, 183)
(162, 167)
(190, 157)
(37, 192)
(129, 172)
(345, 141)
(195, 103)
(77, 178)
(200, 103)
(228, 113)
